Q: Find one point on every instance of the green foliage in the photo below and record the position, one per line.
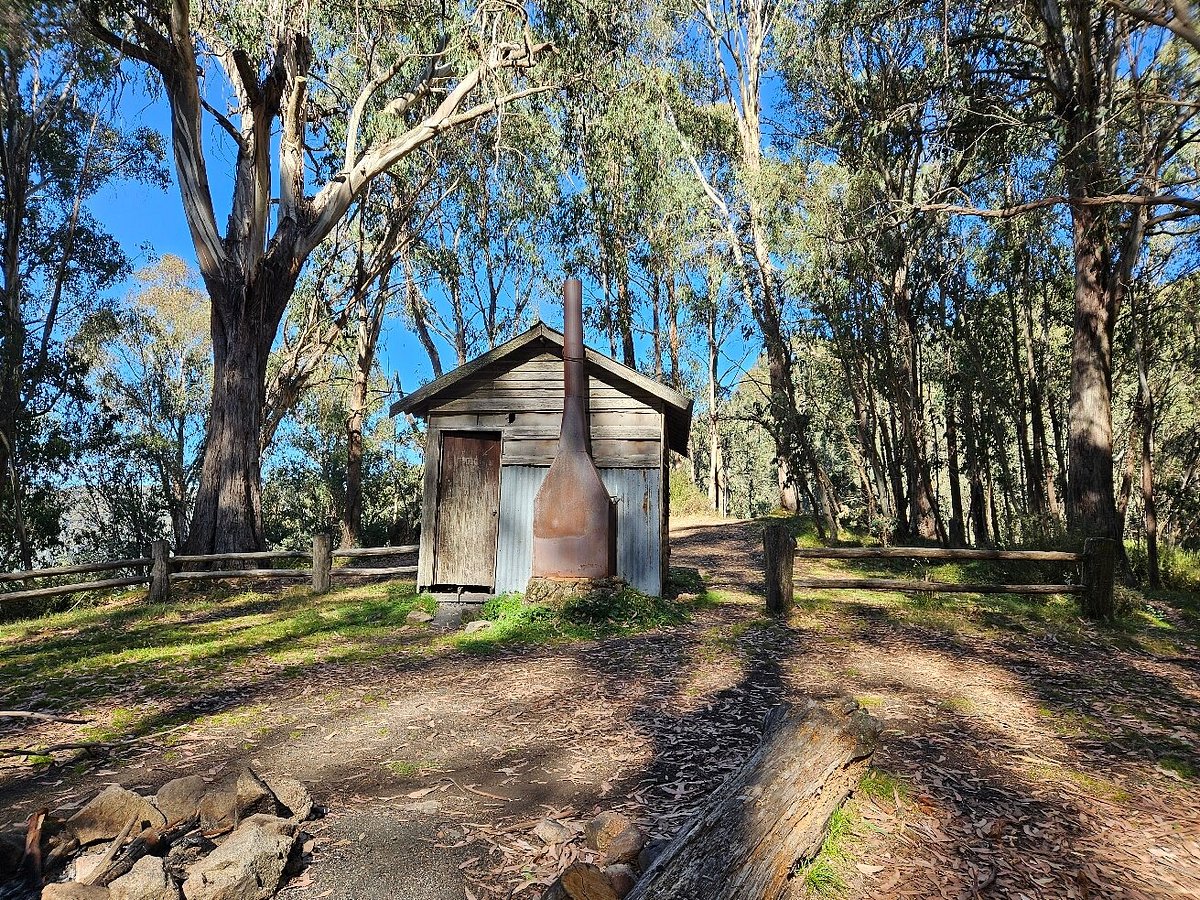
(594, 615)
(62, 145)
(154, 371)
(686, 497)
(1178, 568)
(304, 488)
(825, 876)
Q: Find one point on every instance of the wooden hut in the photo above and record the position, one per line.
(493, 433)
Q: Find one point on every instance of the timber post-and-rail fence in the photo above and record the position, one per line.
(161, 569)
(1097, 566)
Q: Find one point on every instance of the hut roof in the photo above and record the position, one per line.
(676, 407)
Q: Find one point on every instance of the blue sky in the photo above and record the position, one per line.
(149, 222)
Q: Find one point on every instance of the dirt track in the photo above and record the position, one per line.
(1029, 761)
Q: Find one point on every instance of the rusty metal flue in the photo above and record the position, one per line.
(573, 526)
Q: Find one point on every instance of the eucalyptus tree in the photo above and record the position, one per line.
(719, 116)
(153, 375)
(481, 252)
(319, 99)
(1113, 90)
(61, 143)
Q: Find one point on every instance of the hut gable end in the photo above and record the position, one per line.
(523, 381)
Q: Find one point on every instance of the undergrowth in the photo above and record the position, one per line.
(599, 614)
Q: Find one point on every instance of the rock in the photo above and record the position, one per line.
(417, 617)
(477, 626)
(621, 877)
(71, 890)
(625, 847)
(292, 795)
(233, 798)
(110, 811)
(580, 881)
(552, 831)
(147, 880)
(599, 832)
(179, 800)
(650, 853)
(248, 866)
(85, 865)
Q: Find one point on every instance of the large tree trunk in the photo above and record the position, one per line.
(370, 321)
(1091, 504)
(228, 512)
(769, 818)
(958, 533)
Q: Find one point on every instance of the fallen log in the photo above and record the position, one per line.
(151, 840)
(768, 819)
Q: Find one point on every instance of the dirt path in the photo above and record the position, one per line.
(1025, 764)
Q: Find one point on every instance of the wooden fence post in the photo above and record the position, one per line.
(779, 557)
(1098, 570)
(160, 572)
(322, 561)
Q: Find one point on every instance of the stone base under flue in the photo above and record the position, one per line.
(557, 592)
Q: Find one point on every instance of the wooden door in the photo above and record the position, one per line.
(468, 509)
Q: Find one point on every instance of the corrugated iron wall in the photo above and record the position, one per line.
(639, 541)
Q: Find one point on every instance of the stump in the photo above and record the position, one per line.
(779, 558)
(769, 817)
(322, 562)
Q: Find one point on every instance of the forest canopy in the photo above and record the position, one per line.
(929, 270)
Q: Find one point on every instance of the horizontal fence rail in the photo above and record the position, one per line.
(165, 569)
(933, 587)
(357, 552)
(233, 557)
(63, 589)
(345, 571)
(213, 574)
(1095, 565)
(937, 553)
(111, 565)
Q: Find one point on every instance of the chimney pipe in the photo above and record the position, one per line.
(573, 529)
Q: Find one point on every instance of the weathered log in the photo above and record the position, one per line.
(151, 840)
(769, 818)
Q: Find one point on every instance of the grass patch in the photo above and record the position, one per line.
(686, 581)
(1073, 724)
(881, 786)
(962, 705)
(69, 659)
(1180, 767)
(403, 769)
(513, 621)
(1092, 785)
(825, 875)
